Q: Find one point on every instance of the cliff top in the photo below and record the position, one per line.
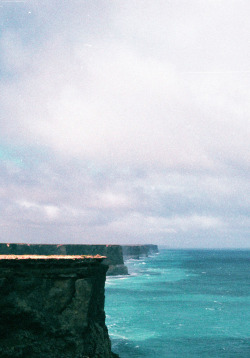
(55, 244)
(51, 257)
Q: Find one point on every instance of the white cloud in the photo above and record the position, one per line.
(141, 225)
(120, 101)
(149, 98)
(50, 212)
(112, 200)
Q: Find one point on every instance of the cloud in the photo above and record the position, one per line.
(129, 120)
(115, 102)
(60, 201)
(163, 226)
(50, 211)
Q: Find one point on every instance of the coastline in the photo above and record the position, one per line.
(53, 291)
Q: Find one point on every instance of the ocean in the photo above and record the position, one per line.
(182, 304)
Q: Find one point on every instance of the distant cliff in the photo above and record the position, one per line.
(138, 251)
(112, 252)
(153, 249)
(53, 307)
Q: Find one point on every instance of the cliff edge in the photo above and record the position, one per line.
(53, 306)
(113, 253)
(137, 251)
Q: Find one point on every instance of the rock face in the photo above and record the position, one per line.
(138, 251)
(112, 252)
(53, 307)
(153, 249)
(131, 252)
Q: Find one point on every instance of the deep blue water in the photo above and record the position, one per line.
(182, 304)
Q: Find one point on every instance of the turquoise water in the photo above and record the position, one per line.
(182, 304)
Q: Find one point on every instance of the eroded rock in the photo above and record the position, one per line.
(53, 307)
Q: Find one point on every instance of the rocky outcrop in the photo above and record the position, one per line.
(113, 253)
(138, 251)
(53, 307)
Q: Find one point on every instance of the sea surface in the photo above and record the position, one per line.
(182, 304)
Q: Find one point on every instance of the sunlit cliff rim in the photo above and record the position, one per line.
(52, 257)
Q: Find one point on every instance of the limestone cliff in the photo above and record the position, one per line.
(138, 251)
(153, 249)
(53, 307)
(131, 252)
(112, 252)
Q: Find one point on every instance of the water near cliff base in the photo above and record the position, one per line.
(183, 303)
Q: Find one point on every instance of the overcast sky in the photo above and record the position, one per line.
(125, 122)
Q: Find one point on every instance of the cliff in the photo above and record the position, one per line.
(113, 253)
(138, 251)
(53, 307)
(153, 249)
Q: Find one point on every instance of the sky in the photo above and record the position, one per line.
(125, 122)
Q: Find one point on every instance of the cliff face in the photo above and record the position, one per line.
(153, 249)
(131, 252)
(53, 307)
(138, 251)
(113, 253)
